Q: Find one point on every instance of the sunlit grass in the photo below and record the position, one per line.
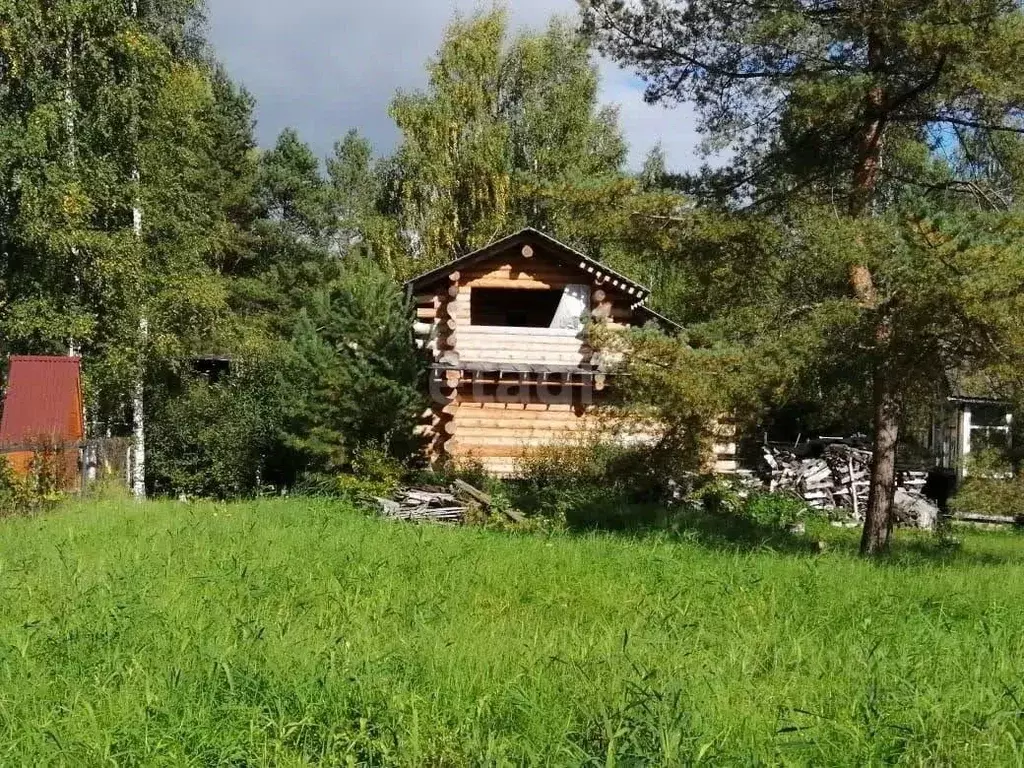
(300, 632)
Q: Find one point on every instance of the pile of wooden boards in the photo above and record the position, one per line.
(438, 505)
(836, 480)
(431, 506)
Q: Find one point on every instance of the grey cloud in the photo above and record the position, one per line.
(325, 67)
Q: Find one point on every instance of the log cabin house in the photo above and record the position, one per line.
(511, 370)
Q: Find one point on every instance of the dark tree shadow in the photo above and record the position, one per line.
(734, 533)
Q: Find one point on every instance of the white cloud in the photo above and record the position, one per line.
(325, 66)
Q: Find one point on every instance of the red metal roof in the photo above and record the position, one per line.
(44, 400)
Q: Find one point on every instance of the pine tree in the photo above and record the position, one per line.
(838, 100)
(354, 375)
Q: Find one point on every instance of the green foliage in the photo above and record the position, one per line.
(373, 473)
(353, 376)
(794, 90)
(216, 440)
(42, 488)
(590, 482)
(991, 487)
(767, 511)
(499, 121)
(677, 392)
(14, 491)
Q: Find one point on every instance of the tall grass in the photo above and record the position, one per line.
(298, 632)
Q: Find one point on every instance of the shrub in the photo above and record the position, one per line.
(44, 485)
(14, 491)
(774, 510)
(991, 488)
(588, 482)
(733, 498)
(215, 440)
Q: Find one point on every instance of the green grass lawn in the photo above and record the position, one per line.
(300, 632)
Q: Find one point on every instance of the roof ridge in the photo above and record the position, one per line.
(46, 358)
(639, 290)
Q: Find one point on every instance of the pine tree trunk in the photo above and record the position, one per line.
(878, 521)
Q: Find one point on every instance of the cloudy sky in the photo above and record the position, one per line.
(325, 66)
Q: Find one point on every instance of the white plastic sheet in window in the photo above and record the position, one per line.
(572, 308)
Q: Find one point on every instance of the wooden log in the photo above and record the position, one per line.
(455, 276)
(453, 291)
(527, 252)
(450, 427)
(990, 519)
(423, 329)
(598, 297)
(524, 283)
(486, 500)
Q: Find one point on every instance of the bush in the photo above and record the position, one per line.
(43, 486)
(592, 483)
(215, 440)
(14, 491)
(728, 498)
(991, 488)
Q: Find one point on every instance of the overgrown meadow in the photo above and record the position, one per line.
(302, 632)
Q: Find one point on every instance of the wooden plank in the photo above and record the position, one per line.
(526, 284)
(511, 418)
(506, 453)
(528, 270)
(990, 519)
(487, 501)
(473, 442)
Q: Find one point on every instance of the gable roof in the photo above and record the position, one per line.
(44, 399)
(567, 255)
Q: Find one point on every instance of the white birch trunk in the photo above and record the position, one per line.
(138, 388)
(69, 127)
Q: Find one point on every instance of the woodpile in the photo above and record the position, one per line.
(423, 506)
(436, 505)
(837, 481)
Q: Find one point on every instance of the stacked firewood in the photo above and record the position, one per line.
(423, 506)
(836, 481)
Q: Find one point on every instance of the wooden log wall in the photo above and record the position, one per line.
(464, 426)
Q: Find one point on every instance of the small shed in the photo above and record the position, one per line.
(965, 425)
(42, 409)
(505, 328)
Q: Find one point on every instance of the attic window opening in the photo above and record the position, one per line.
(514, 308)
